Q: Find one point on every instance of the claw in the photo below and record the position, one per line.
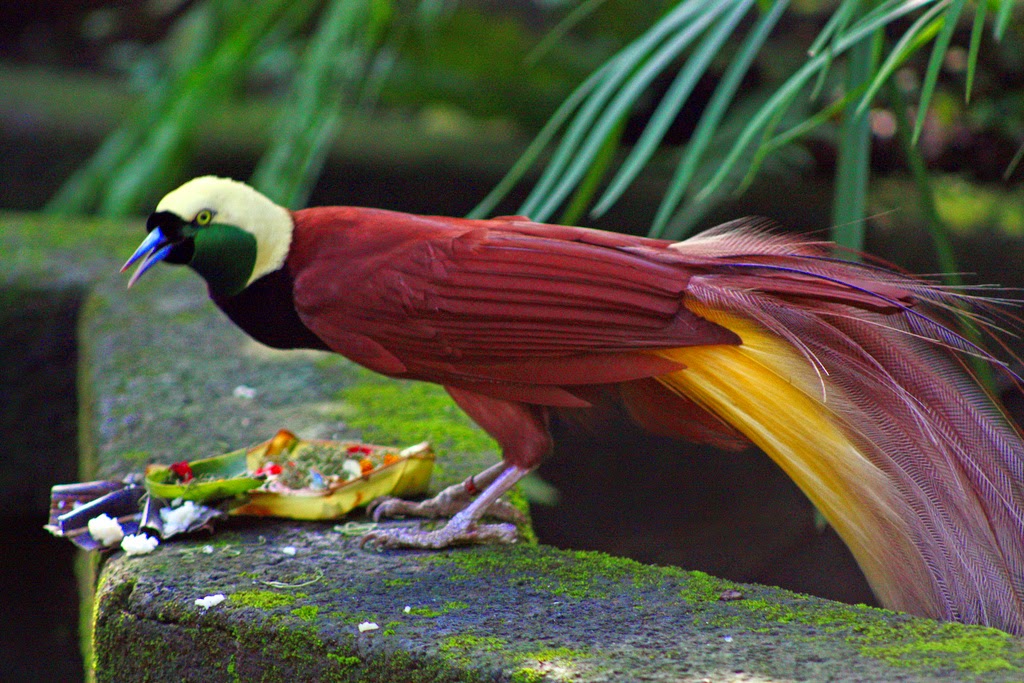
(385, 506)
(447, 503)
(464, 527)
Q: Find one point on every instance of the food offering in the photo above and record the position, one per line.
(285, 477)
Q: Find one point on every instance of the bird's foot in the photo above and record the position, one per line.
(447, 503)
(465, 526)
(455, 532)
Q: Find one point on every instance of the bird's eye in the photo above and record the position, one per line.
(204, 217)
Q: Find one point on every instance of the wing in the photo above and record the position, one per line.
(504, 301)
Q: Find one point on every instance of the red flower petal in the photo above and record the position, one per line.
(183, 471)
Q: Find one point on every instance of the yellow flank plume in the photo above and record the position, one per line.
(771, 393)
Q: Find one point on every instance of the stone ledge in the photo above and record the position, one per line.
(158, 369)
(492, 614)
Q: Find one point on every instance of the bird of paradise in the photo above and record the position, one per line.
(851, 377)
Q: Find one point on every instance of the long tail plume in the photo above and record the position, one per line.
(853, 380)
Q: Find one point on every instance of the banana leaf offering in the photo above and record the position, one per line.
(284, 477)
(297, 478)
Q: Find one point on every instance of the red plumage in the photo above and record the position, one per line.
(507, 308)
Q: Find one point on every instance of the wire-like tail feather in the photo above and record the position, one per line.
(849, 378)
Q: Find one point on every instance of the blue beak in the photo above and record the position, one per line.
(153, 249)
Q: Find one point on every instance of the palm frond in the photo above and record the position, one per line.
(711, 119)
(972, 54)
(939, 50)
(850, 195)
(632, 72)
(333, 64)
(1003, 18)
(142, 153)
(670, 105)
(693, 34)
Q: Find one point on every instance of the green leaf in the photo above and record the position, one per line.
(82, 191)
(775, 105)
(333, 64)
(883, 14)
(578, 14)
(670, 105)
(972, 55)
(939, 50)
(1003, 18)
(804, 127)
(1014, 162)
(634, 68)
(764, 148)
(588, 187)
(538, 144)
(216, 478)
(189, 98)
(834, 26)
(919, 33)
(712, 116)
(854, 154)
(830, 33)
(588, 111)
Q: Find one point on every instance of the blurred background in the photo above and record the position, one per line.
(892, 126)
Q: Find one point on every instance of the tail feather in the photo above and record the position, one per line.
(871, 410)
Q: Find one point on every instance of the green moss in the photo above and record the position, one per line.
(485, 643)
(516, 498)
(527, 675)
(306, 612)
(286, 650)
(899, 640)
(929, 644)
(353, 618)
(553, 653)
(36, 241)
(233, 670)
(346, 661)
(444, 609)
(403, 413)
(577, 575)
(783, 614)
(137, 458)
(703, 588)
(457, 649)
(261, 599)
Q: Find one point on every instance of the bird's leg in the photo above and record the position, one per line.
(463, 527)
(449, 501)
(521, 431)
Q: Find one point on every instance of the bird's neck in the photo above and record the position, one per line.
(265, 310)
